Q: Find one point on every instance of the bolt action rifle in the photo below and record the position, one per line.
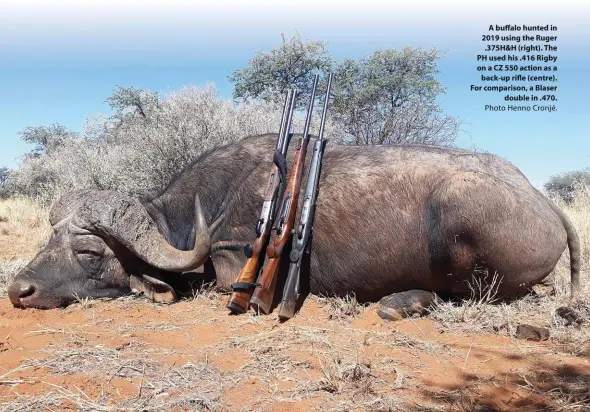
(263, 295)
(302, 234)
(244, 284)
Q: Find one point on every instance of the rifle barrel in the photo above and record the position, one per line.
(310, 108)
(325, 109)
(284, 116)
(285, 143)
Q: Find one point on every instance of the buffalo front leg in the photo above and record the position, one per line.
(404, 304)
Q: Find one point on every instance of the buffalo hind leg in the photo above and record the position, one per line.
(403, 304)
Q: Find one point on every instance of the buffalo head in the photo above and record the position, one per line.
(104, 244)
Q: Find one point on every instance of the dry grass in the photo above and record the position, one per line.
(327, 363)
(343, 308)
(571, 394)
(195, 386)
(61, 398)
(342, 355)
(24, 228)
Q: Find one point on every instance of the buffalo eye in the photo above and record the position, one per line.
(90, 260)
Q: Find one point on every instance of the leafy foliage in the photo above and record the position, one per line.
(564, 185)
(388, 97)
(46, 138)
(292, 64)
(130, 102)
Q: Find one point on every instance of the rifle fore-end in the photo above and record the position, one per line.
(273, 183)
(291, 198)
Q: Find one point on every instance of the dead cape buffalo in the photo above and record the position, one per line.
(392, 222)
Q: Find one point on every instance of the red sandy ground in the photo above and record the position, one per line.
(318, 360)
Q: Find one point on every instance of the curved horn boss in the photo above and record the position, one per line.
(124, 219)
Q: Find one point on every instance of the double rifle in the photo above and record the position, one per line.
(258, 292)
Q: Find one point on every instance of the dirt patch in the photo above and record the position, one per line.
(130, 354)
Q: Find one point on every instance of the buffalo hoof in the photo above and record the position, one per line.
(534, 333)
(405, 304)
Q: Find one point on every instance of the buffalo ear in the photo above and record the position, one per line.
(153, 288)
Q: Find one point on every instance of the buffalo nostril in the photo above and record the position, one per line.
(19, 290)
(26, 290)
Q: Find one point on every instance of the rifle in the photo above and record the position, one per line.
(262, 297)
(244, 284)
(302, 235)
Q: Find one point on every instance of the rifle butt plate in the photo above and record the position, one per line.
(235, 308)
(287, 310)
(259, 306)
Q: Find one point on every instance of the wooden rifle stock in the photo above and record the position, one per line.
(240, 298)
